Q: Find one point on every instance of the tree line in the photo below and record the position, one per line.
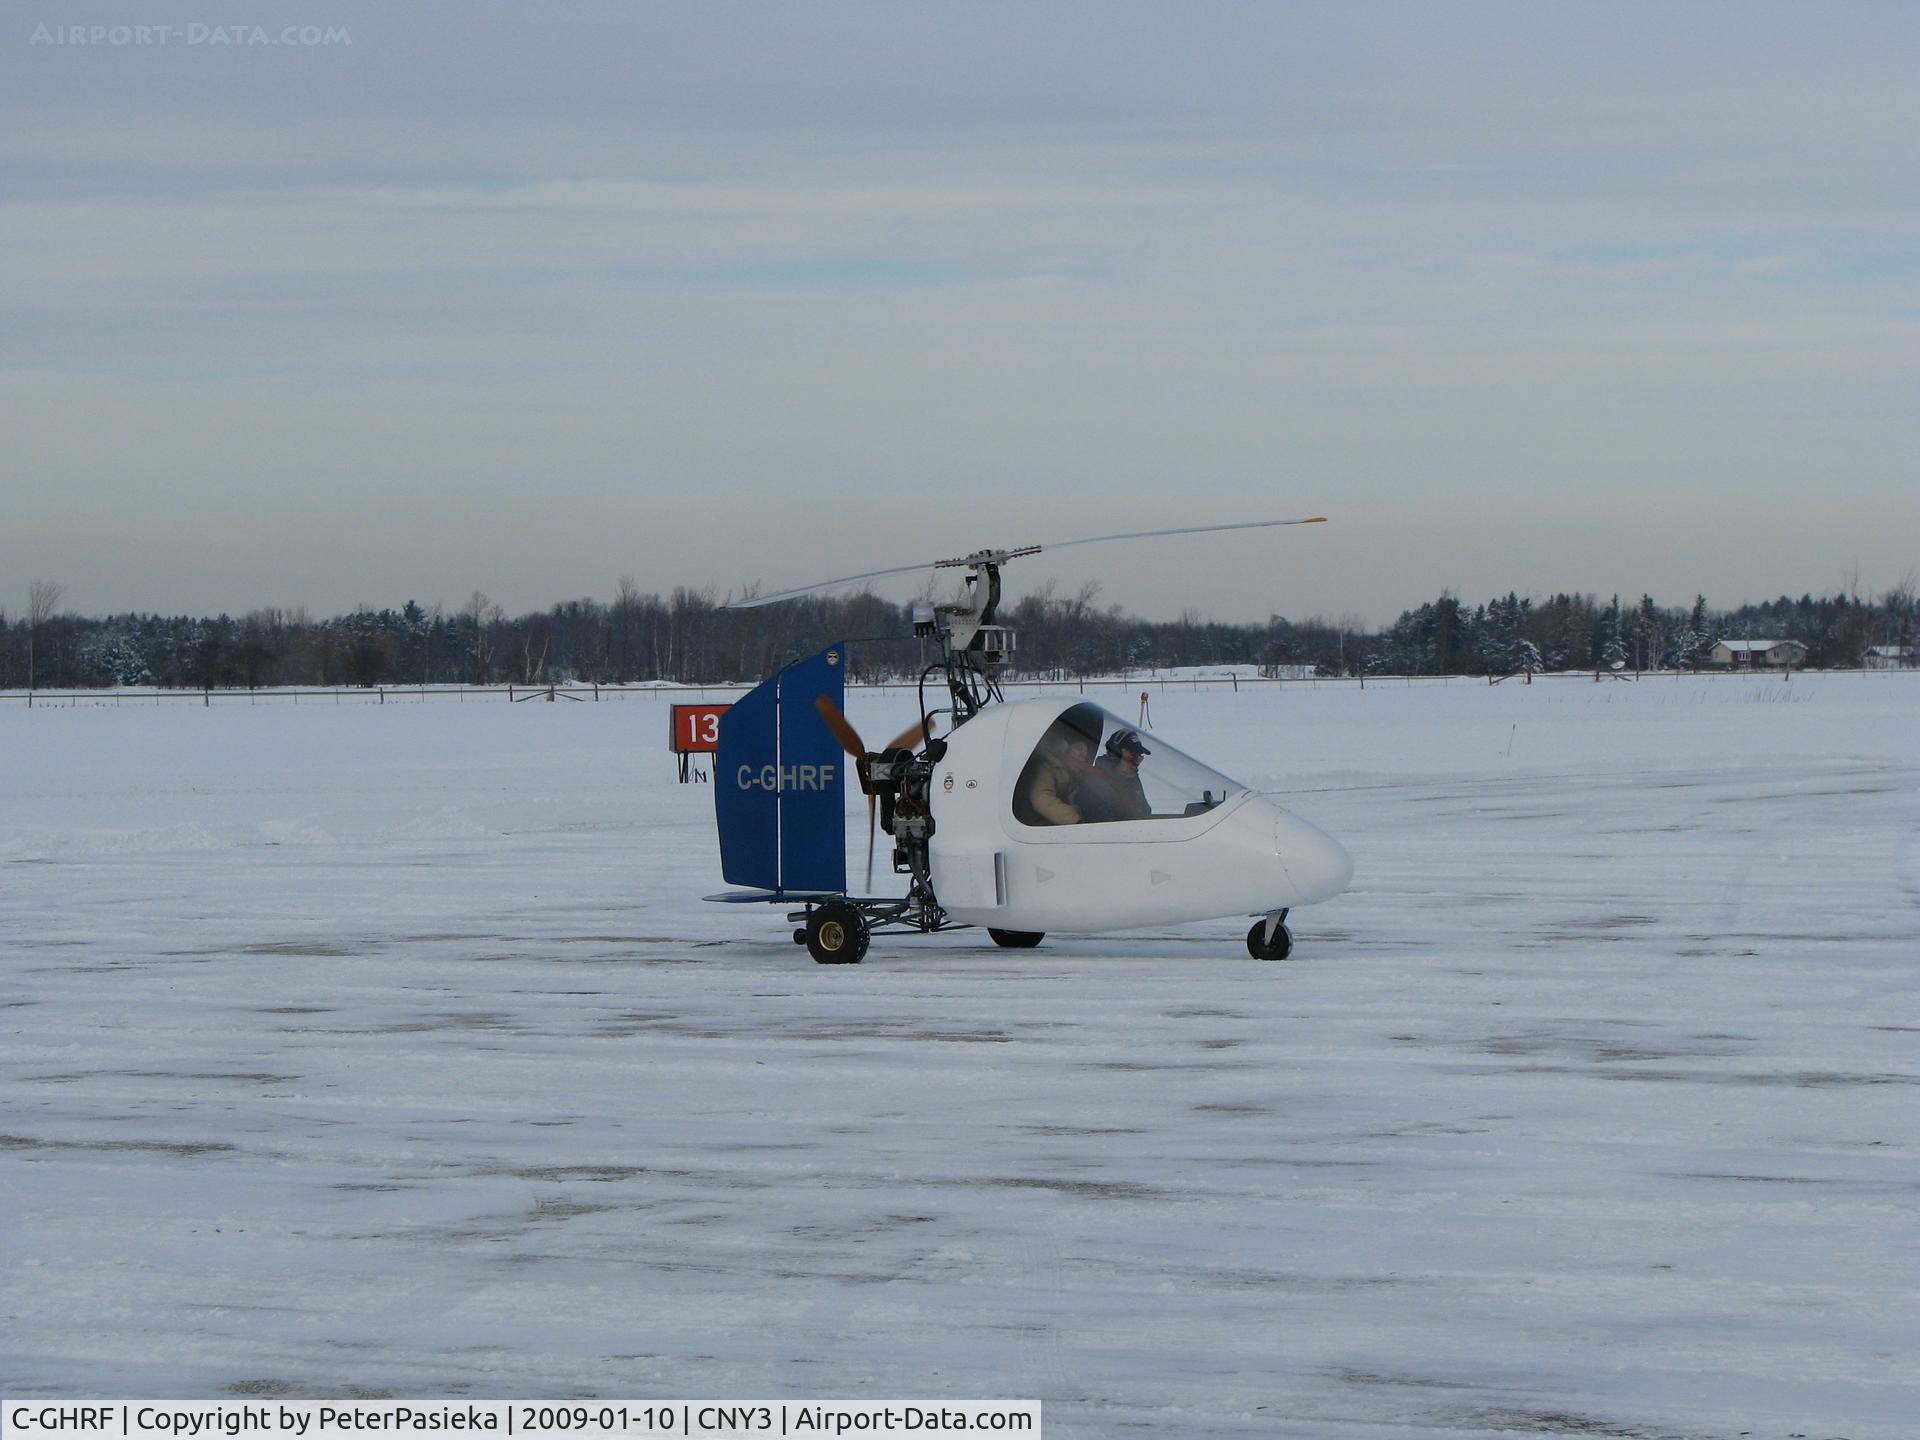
(1515, 635)
(688, 636)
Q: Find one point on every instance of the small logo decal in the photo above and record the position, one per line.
(973, 784)
(947, 784)
(833, 657)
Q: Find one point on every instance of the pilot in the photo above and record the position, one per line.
(1119, 768)
(1055, 777)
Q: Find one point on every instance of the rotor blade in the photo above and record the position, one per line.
(1183, 530)
(848, 737)
(759, 600)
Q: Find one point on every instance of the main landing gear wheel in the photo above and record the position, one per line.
(837, 933)
(1261, 948)
(1016, 939)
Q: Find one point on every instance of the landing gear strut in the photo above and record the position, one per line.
(1270, 939)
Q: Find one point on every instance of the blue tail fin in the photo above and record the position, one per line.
(779, 791)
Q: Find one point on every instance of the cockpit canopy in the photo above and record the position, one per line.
(1092, 767)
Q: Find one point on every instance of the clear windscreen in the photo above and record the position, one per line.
(1091, 767)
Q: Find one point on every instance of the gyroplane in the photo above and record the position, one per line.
(1023, 817)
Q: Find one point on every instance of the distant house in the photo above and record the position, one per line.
(1888, 657)
(1757, 654)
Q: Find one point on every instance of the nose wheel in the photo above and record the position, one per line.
(1270, 939)
(1015, 939)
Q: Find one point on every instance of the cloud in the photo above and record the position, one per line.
(617, 277)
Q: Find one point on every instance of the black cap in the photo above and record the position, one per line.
(1128, 740)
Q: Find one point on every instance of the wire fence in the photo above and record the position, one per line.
(684, 694)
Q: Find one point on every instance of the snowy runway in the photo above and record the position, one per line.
(387, 1049)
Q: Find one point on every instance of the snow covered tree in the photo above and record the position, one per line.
(1686, 649)
(1613, 647)
(113, 657)
(1485, 643)
(1897, 615)
(1646, 635)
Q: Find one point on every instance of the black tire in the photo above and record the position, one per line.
(1016, 939)
(837, 934)
(1258, 947)
(799, 934)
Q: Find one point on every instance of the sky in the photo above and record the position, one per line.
(321, 304)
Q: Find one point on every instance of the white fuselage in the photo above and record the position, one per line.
(1243, 856)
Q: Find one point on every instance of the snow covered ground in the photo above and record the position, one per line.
(388, 1049)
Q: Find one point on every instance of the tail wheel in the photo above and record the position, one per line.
(837, 934)
(1016, 939)
(1279, 948)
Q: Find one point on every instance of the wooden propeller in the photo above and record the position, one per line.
(849, 738)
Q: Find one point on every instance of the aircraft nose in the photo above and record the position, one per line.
(1316, 863)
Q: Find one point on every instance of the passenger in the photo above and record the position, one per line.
(1119, 769)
